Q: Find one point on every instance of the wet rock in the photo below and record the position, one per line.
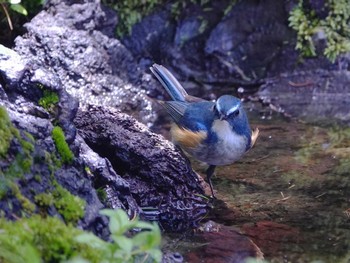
(271, 236)
(117, 189)
(30, 167)
(248, 39)
(12, 66)
(150, 37)
(148, 166)
(224, 244)
(318, 96)
(74, 41)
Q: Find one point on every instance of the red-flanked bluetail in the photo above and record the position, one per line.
(217, 133)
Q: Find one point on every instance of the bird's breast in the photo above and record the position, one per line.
(229, 147)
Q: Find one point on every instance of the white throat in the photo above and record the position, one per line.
(230, 144)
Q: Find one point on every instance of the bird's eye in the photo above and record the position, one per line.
(235, 113)
(215, 110)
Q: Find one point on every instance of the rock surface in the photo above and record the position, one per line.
(74, 41)
(149, 168)
(224, 244)
(31, 158)
(318, 96)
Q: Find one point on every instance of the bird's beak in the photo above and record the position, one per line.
(222, 117)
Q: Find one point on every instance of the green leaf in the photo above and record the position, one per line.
(118, 221)
(144, 225)
(19, 9)
(77, 260)
(92, 240)
(124, 243)
(156, 254)
(14, 2)
(147, 239)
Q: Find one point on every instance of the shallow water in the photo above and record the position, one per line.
(290, 196)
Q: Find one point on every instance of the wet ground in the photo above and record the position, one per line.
(290, 196)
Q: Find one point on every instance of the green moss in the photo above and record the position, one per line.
(101, 193)
(69, 206)
(3, 187)
(131, 12)
(53, 162)
(6, 134)
(61, 145)
(29, 137)
(335, 27)
(28, 147)
(26, 204)
(343, 168)
(44, 199)
(39, 239)
(23, 160)
(38, 178)
(49, 100)
(339, 137)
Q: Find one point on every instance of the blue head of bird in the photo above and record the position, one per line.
(230, 108)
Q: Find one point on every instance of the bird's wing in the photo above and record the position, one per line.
(176, 109)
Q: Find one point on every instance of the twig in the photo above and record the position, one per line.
(7, 16)
(301, 84)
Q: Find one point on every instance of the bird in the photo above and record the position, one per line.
(216, 133)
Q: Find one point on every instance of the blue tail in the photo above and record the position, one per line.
(169, 82)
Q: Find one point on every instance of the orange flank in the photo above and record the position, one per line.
(186, 138)
(255, 135)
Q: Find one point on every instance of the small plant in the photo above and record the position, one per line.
(16, 6)
(142, 247)
(336, 27)
(61, 145)
(306, 24)
(38, 239)
(130, 13)
(49, 100)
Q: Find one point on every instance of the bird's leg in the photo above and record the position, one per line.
(210, 172)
